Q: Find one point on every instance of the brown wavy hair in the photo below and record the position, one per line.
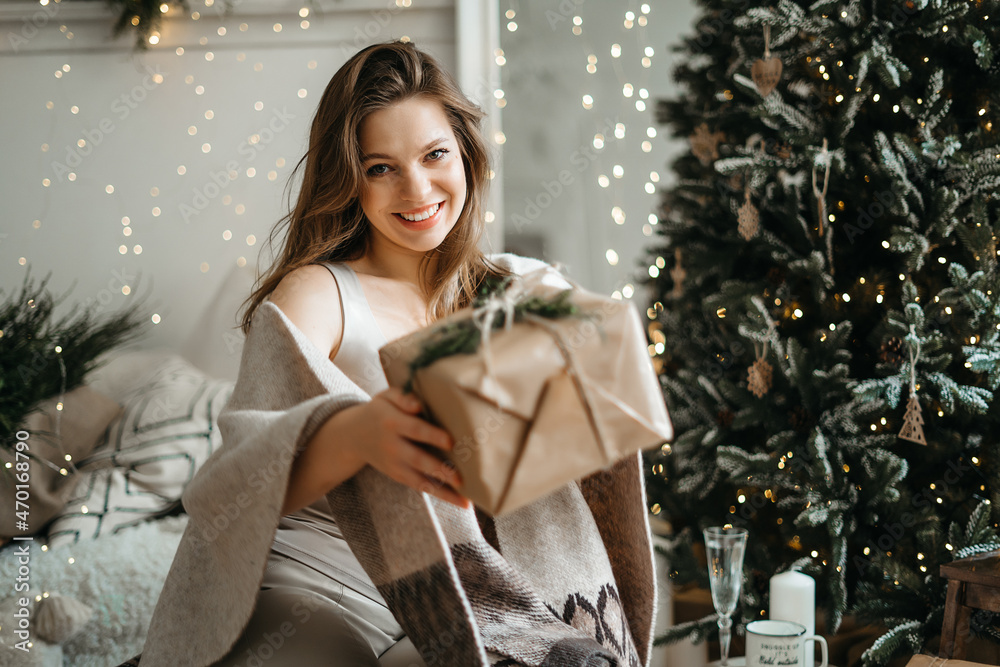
(327, 223)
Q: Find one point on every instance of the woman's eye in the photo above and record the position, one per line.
(383, 169)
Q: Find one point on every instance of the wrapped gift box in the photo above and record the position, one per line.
(543, 400)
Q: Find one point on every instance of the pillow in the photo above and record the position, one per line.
(120, 372)
(168, 428)
(85, 416)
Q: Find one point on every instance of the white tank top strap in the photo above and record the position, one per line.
(357, 355)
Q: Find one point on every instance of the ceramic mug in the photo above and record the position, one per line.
(781, 643)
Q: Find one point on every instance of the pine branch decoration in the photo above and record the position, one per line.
(29, 367)
(464, 337)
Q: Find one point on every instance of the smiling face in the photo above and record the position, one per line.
(415, 185)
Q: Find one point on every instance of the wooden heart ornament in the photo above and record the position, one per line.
(765, 74)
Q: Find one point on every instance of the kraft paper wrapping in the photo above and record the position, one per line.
(544, 402)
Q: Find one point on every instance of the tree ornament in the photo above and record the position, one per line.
(913, 421)
(749, 217)
(705, 144)
(760, 375)
(767, 72)
(822, 159)
(677, 274)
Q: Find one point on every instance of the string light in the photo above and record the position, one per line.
(631, 90)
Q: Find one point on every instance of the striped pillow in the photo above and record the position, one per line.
(150, 452)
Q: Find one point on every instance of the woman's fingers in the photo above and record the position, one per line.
(405, 402)
(410, 425)
(436, 488)
(412, 463)
(428, 465)
(432, 475)
(420, 430)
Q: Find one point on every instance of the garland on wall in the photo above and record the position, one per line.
(142, 17)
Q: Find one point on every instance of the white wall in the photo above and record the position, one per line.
(186, 233)
(549, 131)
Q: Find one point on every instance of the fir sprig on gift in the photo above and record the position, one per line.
(29, 362)
(463, 337)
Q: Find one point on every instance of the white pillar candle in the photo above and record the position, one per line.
(793, 598)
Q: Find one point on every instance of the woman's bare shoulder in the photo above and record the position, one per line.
(310, 298)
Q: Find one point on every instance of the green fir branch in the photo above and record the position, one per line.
(464, 336)
(30, 369)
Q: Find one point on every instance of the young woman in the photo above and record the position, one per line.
(384, 239)
(410, 242)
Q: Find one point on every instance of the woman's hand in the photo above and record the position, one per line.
(388, 434)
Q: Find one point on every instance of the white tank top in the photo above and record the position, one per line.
(310, 535)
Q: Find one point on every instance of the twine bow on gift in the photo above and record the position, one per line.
(484, 315)
(463, 334)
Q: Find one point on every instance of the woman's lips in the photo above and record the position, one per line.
(422, 224)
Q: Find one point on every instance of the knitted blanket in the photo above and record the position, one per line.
(565, 581)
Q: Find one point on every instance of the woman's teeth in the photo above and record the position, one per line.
(421, 216)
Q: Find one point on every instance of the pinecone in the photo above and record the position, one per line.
(892, 351)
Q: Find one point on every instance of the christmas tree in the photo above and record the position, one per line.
(828, 246)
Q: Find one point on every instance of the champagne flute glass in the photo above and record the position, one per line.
(725, 546)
